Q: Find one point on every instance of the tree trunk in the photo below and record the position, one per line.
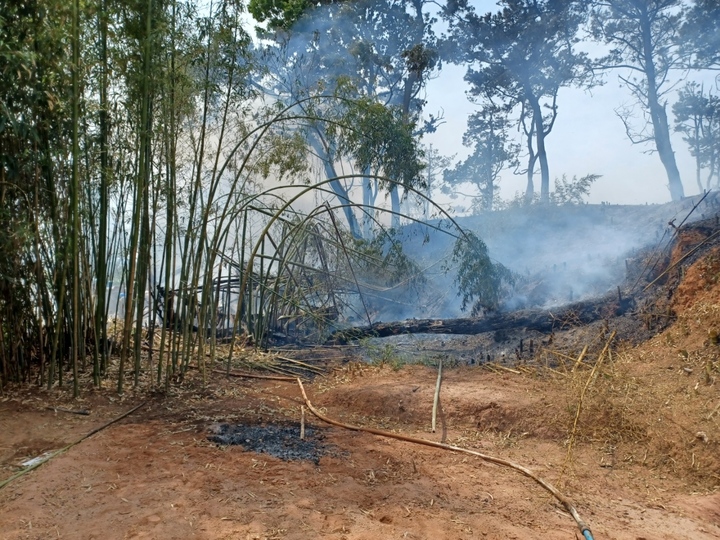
(664, 147)
(580, 313)
(530, 189)
(395, 202)
(697, 149)
(342, 194)
(532, 158)
(541, 152)
(661, 131)
(412, 79)
(544, 170)
(369, 190)
(487, 185)
(337, 187)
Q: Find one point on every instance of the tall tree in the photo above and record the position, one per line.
(521, 56)
(697, 117)
(488, 135)
(435, 166)
(382, 50)
(643, 36)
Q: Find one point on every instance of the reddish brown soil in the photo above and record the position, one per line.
(154, 475)
(643, 461)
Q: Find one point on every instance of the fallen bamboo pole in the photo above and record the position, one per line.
(304, 365)
(584, 529)
(510, 370)
(68, 447)
(70, 411)
(558, 353)
(251, 376)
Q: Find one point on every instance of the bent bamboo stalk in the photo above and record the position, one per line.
(584, 529)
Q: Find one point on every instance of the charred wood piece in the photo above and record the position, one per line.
(580, 313)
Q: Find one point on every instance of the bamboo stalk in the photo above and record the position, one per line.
(580, 358)
(75, 197)
(436, 399)
(100, 354)
(252, 376)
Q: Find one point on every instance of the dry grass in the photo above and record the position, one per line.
(641, 407)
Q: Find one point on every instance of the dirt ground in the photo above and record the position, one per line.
(156, 475)
(630, 437)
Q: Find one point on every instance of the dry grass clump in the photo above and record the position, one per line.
(600, 403)
(643, 411)
(656, 405)
(608, 401)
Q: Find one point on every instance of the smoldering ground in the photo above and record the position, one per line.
(561, 254)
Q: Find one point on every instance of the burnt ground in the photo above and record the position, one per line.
(280, 441)
(631, 437)
(638, 307)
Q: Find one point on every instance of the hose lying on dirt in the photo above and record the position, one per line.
(584, 529)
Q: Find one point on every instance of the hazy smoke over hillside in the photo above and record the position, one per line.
(562, 254)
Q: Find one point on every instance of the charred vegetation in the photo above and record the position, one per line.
(639, 306)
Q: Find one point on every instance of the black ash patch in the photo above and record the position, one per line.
(280, 441)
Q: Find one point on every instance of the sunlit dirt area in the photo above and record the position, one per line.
(627, 431)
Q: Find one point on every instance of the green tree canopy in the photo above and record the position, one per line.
(377, 52)
(697, 117)
(482, 283)
(521, 56)
(701, 34)
(487, 134)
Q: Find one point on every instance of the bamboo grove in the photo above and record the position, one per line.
(150, 194)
